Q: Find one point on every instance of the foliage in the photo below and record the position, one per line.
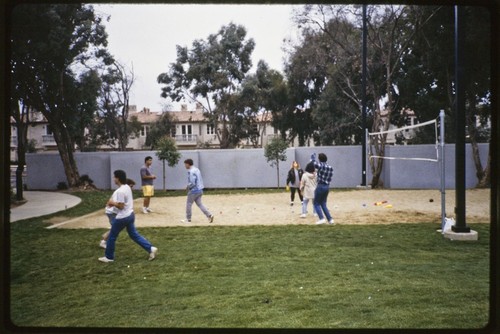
(427, 85)
(49, 54)
(324, 71)
(167, 151)
(165, 126)
(212, 71)
(62, 186)
(275, 151)
(114, 126)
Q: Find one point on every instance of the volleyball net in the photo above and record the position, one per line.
(377, 140)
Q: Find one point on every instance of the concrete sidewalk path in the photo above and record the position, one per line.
(41, 203)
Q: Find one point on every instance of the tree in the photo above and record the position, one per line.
(212, 71)
(167, 151)
(45, 51)
(261, 94)
(275, 151)
(85, 102)
(21, 116)
(162, 128)
(117, 82)
(428, 83)
(335, 46)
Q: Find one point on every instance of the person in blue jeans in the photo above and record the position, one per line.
(123, 201)
(324, 173)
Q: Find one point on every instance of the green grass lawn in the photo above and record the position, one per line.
(382, 276)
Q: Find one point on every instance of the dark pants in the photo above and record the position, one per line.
(292, 194)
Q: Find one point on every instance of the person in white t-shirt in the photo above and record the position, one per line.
(111, 212)
(123, 201)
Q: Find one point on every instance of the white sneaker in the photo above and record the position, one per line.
(148, 209)
(105, 259)
(145, 210)
(185, 220)
(153, 253)
(321, 221)
(331, 222)
(102, 244)
(303, 215)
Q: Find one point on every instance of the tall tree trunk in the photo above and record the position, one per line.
(377, 164)
(485, 181)
(481, 174)
(22, 137)
(65, 148)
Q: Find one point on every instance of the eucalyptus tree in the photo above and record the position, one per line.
(429, 76)
(335, 58)
(210, 72)
(47, 42)
(263, 94)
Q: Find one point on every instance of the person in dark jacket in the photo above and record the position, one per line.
(293, 181)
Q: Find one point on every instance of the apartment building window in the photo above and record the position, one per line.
(144, 130)
(187, 129)
(210, 129)
(48, 130)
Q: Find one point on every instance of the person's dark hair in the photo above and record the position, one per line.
(310, 167)
(189, 162)
(130, 182)
(148, 158)
(121, 176)
(322, 157)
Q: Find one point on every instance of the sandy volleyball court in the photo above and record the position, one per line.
(347, 207)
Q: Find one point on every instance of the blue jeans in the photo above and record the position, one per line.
(116, 227)
(305, 202)
(320, 197)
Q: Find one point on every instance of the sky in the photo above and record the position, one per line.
(144, 38)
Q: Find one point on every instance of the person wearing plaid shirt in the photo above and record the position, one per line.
(324, 174)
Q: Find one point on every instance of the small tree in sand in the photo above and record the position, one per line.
(275, 151)
(167, 151)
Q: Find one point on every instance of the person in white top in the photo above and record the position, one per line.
(111, 212)
(308, 187)
(123, 201)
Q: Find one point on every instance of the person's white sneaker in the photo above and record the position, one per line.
(185, 220)
(303, 215)
(331, 222)
(105, 259)
(148, 209)
(102, 244)
(153, 253)
(321, 221)
(145, 210)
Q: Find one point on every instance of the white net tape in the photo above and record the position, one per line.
(380, 134)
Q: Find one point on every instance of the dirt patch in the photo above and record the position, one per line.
(347, 207)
